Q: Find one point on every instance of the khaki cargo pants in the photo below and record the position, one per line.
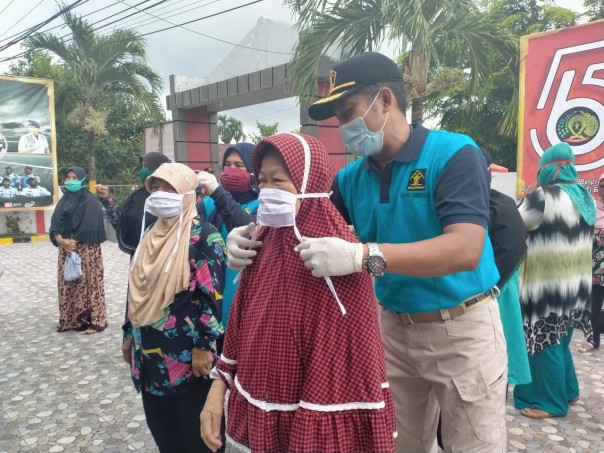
(456, 366)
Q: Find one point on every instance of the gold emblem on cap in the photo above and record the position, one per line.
(332, 83)
(332, 80)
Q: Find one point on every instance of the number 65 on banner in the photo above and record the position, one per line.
(576, 120)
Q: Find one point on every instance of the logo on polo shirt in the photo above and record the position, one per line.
(417, 180)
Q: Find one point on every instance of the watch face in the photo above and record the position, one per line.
(376, 264)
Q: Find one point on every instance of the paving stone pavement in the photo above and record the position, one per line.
(70, 392)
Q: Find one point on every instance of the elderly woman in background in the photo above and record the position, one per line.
(555, 282)
(77, 226)
(176, 280)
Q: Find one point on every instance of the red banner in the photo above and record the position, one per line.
(562, 100)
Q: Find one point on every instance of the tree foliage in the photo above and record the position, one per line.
(480, 116)
(266, 130)
(101, 72)
(413, 26)
(229, 129)
(594, 9)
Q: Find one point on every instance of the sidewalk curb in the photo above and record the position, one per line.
(21, 240)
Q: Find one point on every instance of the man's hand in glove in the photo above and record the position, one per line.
(331, 257)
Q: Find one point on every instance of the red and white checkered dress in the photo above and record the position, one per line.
(303, 376)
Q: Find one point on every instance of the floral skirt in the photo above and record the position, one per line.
(82, 302)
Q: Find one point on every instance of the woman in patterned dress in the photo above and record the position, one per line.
(303, 361)
(597, 281)
(173, 321)
(77, 226)
(555, 282)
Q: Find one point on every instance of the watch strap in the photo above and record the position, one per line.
(373, 250)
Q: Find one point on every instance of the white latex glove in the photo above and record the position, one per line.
(331, 257)
(240, 247)
(208, 181)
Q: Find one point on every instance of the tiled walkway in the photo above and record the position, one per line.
(69, 392)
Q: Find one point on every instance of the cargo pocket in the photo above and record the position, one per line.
(475, 394)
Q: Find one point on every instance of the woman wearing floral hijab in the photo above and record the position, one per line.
(175, 285)
(555, 282)
(302, 355)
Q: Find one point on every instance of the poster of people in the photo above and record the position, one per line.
(562, 100)
(27, 144)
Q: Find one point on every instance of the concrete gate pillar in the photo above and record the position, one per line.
(196, 138)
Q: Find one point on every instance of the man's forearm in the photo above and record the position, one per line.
(458, 249)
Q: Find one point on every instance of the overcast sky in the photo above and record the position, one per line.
(175, 51)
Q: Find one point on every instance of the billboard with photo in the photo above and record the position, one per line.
(562, 100)
(28, 163)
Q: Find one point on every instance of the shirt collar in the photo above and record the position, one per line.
(410, 149)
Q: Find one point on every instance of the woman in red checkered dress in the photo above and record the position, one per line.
(305, 366)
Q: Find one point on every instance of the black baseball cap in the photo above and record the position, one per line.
(33, 123)
(349, 76)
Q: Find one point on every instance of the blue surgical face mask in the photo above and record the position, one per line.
(360, 140)
(74, 185)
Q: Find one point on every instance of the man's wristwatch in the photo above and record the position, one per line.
(375, 262)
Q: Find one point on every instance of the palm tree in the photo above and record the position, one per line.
(235, 128)
(230, 129)
(99, 70)
(221, 124)
(412, 25)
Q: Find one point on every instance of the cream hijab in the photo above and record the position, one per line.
(156, 276)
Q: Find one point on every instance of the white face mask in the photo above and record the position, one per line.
(276, 208)
(163, 205)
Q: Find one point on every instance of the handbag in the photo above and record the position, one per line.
(73, 267)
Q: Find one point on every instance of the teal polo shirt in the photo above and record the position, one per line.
(436, 179)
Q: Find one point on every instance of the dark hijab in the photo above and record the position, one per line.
(153, 160)
(506, 231)
(78, 215)
(245, 151)
(132, 208)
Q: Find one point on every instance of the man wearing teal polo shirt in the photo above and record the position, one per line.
(419, 202)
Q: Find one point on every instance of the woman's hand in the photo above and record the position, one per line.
(68, 244)
(208, 181)
(126, 351)
(102, 191)
(211, 416)
(202, 362)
